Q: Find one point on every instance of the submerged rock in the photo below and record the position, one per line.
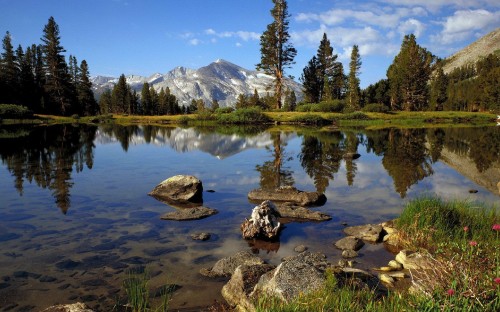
(263, 222)
(288, 194)
(179, 189)
(201, 236)
(300, 213)
(369, 232)
(189, 214)
(226, 266)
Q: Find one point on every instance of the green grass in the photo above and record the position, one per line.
(464, 273)
(138, 296)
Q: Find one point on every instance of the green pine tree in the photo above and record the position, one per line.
(277, 53)
(326, 68)
(311, 82)
(408, 76)
(9, 72)
(120, 97)
(85, 94)
(353, 85)
(146, 101)
(57, 81)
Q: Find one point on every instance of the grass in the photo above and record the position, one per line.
(464, 244)
(138, 295)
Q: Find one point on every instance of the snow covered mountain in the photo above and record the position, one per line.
(220, 80)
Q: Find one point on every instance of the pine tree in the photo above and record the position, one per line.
(310, 81)
(37, 64)
(9, 72)
(154, 101)
(290, 101)
(241, 101)
(26, 80)
(439, 87)
(86, 98)
(106, 103)
(120, 97)
(338, 81)
(215, 105)
(408, 76)
(162, 102)
(326, 67)
(353, 88)
(57, 80)
(146, 101)
(277, 53)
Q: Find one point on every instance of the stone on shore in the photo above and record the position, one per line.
(179, 189)
(263, 222)
(75, 307)
(245, 277)
(185, 214)
(226, 266)
(288, 194)
(349, 243)
(413, 260)
(295, 275)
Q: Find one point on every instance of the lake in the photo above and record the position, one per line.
(75, 216)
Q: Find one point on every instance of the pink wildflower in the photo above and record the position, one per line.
(450, 292)
(466, 229)
(496, 227)
(496, 280)
(473, 243)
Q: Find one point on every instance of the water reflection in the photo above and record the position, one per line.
(48, 155)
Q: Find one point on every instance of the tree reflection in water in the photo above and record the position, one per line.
(273, 173)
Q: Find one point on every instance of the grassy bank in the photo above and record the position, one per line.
(464, 241)
(368, 120)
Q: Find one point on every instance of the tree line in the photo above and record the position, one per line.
(39, 77)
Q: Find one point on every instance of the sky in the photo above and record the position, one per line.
(145, 37)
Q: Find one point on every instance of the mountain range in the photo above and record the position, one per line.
(220, 80)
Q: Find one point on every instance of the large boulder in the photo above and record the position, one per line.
(263, 222)
(226, 266)
(185, 214)
(237, 291)
(288, 194)
(369, 232)
(179, 189)
(295, 275)
(298, 213)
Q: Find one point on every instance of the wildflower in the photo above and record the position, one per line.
(473, 243)
(466, 229)
(496, 280)
(450, 292)
(496, 227)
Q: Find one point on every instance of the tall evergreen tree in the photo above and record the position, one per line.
(57, 80)
(146, 101)
(408, 76)
(290, 101)
(326, 67)
(27, 89)
(106, 103)
(154, 101)
(353, 88)
(277, 53)
(120, 97)
(84, 89)
(439, 87)
(338, 81)
(215, 105)
(311, 82)
(9, 72)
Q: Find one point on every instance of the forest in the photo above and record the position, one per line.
(38, 79)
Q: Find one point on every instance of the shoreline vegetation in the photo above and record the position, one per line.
(251, 116)
(461, 238)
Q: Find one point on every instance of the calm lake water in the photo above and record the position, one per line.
(75, 216)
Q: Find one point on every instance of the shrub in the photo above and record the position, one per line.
(12, 111)
(311, 119)
(334, 106)
(184, 120)
(224, 110)
(376, 108)
(249, 115)
(205, 115)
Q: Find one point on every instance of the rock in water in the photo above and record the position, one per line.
(186, 214)
(263, 223)
(288, 194)
(226, 266)
(179, 189)
(369, 232)
(76, 307)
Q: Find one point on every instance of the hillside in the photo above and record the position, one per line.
(473, 52)
(220, 80)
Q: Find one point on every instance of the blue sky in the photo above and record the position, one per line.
(145, 37)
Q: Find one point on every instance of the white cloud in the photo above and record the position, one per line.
(435, 5)
(243, 35)
(194, 42)
(463, 24)
(411, 26)
(238, 44)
